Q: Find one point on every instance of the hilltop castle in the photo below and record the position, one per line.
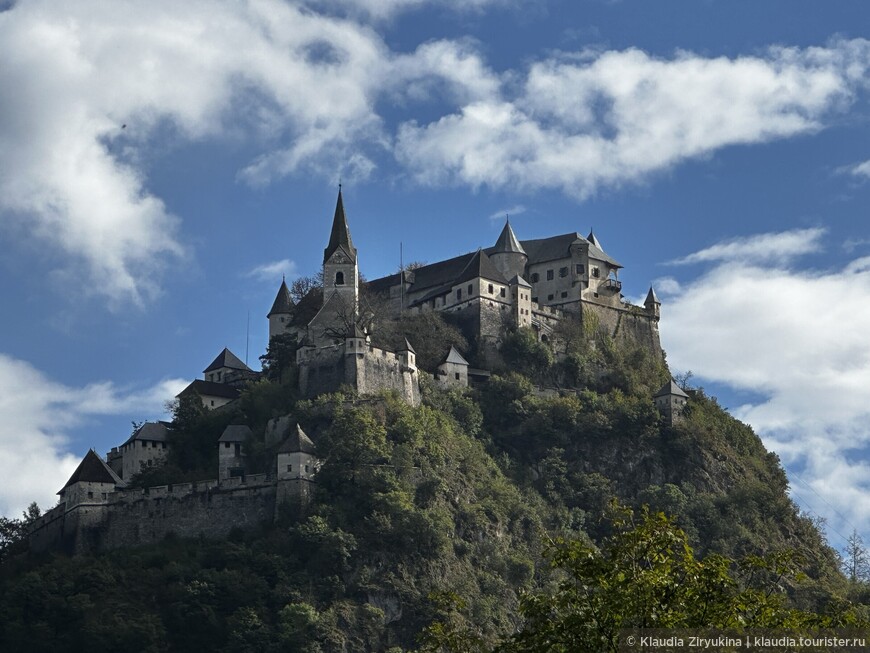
(513, 284)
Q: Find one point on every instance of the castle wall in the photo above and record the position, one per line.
(629, 324)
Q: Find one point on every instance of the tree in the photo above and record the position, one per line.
(279, 360)
(856, 562)
(13, 532)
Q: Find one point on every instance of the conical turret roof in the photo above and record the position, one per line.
(297, 442)
(227, 359)
(340, 234)
(651, 297)
(507, 242)
(283, 303)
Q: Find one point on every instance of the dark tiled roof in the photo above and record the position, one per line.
(297, 442)
(151, 431)
(227, 359)
(440, 273)
(556, 247)
(480, 265)
(507, 241)
(235, 433)
(671, 388)
(340, 234)
(210, 389)
(453, 356)
(283, 302)
(92, 469)
(408, 347)
(519, 281)
(651, 297)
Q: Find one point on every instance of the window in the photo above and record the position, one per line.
(456, 375)
(289, 468)
(226, 445)
(90, 495)
(470, 290)
(579, 268)
(549, 275)
(459, 294)
(503, 292)
(219, 377)
(549, 298)
(535, 277)
(238, 449)
(563, 272)
(491, 290)
(306, 469)
(339, 278)
(595, 272)
(564, 294)
(212, 402)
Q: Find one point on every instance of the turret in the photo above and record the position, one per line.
(340, 271)
(652, 304)
(408, 356)
(508, 254)
(670, 401)
(282, 311)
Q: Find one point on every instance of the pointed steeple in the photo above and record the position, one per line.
(507, 241)
(283, 303)
(651, 298)
(592, 239)
(340, 234)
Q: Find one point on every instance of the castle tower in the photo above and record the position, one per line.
(521, 301)
(453, 370)
(297, 465)
(508, 255)
(340, 270)
(281, 313)
(670, 401)
(653, 305)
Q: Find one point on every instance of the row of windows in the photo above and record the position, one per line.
(579, 268)
(290, 468)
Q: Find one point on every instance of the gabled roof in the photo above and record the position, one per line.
(283, 301)
(235, 433)
(340, 234)
(556, 247)
(210, 389)
(227, 359)
(671, 388)
(297, 442)
(453, 356)
(519, 281)
(92, 469)
(651, 297)
(151, 431)
(480, 265)
(507, 241)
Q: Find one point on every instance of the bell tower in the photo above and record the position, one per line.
(340, 269)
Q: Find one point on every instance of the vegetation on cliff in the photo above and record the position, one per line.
(488, 499)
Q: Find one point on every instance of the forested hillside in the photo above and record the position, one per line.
(446, 514)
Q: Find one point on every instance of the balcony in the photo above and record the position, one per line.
(613, 285)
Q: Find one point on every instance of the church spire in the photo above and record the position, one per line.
(340, 234)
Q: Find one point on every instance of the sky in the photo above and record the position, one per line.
(163, 164)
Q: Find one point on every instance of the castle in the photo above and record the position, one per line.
(513, 284)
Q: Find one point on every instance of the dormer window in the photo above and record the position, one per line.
(339, 278)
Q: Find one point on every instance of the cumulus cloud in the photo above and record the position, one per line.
(38, 414)
(270, 271)
(583, 121)
(796, 336)
(96, 81)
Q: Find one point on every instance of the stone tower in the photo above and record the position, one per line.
(281, 313)
(670, 401)
(508, 255)
(297, 465)
(652, 304)
(340, 269)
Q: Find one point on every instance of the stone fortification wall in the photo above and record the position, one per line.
(137, 517)
(628, 324)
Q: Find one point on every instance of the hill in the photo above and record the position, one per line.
(418, 509)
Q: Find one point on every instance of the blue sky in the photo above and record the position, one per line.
(162, 166)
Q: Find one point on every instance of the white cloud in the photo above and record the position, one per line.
(585, 121)
(73, 176)
(774, 247)
(270, 271)
(381, 9)
(861, 170)
(797, 337)
(38, 414)
(516, 209)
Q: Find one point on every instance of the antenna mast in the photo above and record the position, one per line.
(247, 336)
(402, 278)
